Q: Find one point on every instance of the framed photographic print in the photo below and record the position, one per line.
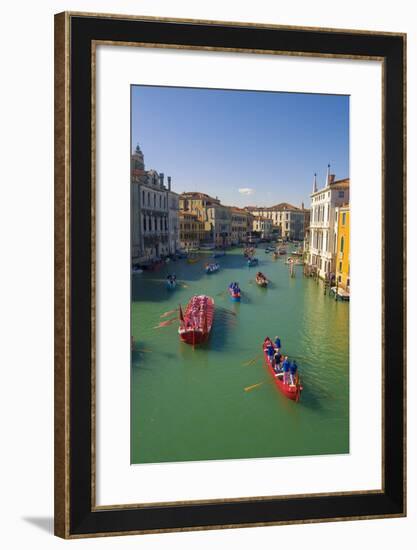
(229, 275)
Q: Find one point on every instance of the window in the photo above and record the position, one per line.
(341, 194)
(344, 218)
(149, 199)
(342, 244)
(340, 266)
(339, 279)
(160, 201)
(143, 197)
(154, 201)
(144, 224)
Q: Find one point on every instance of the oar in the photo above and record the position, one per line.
(166, 323)
(225, 310)
(168, 313)
(251, 361)
(250, 388)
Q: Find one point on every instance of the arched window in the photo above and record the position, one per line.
(342, 244)
(144, 224)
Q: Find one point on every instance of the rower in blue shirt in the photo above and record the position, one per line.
(293, 372)
(277, 343)
(286, 369)
(270, 352)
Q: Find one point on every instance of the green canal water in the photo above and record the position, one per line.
(190, 404)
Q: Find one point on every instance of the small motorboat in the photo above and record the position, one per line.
(292, 391)
(234, 292)
(261, 280)
(192, 259)
(212, 268)
(252, 262)
(136, 269)
(196, 322)
(171, 282)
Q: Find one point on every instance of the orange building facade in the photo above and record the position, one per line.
(343, 247)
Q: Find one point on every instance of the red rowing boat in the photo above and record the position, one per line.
(196, 322)
(292, 391)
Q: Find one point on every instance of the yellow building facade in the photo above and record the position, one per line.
(191, 230)
(343, 247)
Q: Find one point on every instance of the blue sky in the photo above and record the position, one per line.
(247, 148)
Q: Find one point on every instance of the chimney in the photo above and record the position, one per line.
(331, 179)
(169, 183)
(302, 206)
(161, 179)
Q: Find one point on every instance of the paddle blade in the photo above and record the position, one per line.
(250, 388)
(166, 323)
(168, 313)
(251, 361)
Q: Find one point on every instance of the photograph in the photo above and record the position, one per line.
(240, 274)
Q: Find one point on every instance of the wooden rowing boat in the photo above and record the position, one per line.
(261, 280)
(234, 293)
(292, 391)
(197, 320)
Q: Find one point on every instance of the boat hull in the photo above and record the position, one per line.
(292, 392)
(235, 297)
(198, 320)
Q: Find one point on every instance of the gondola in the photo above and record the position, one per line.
(292, 391)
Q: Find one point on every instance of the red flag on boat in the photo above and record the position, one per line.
(181, 315)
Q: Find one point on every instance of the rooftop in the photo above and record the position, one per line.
(280, 206)
(337, 184)
(198, 195)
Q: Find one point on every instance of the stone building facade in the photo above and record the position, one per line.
(323, 236)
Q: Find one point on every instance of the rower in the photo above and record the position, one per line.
(277, 343)
(293, 372)
(286, 369)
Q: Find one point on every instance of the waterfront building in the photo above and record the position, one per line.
(217, 218)
(306, 236)
(342, 229)
(191, 230)
(173, 220)
(323, 237)
(263, 226)
(241, 224)
(286, 218)
(149, 212)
